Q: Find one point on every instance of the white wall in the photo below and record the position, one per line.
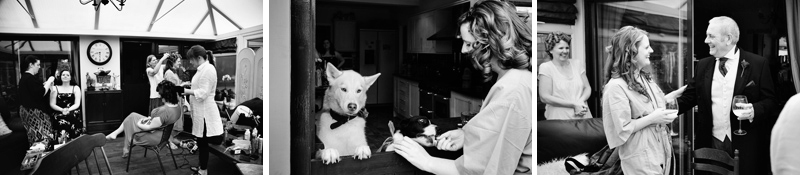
(278, 85)
(89, 67)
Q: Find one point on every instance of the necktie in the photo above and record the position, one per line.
(722, 66)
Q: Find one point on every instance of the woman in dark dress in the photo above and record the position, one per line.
(32, 95)
(65, 99)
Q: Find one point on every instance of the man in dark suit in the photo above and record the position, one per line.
(728, 72)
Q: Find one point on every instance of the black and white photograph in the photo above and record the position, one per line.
(93, 86)
(667, 87)
(401, 87)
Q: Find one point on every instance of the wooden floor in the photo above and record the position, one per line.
(149, 165)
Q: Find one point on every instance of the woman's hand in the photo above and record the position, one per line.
(661, 116)
(64, 111)
(451, 140)
(413, 152)
(675, 94)
(580, 108)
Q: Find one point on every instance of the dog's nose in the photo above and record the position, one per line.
(351, 106)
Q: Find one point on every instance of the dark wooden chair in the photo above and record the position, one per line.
(166, 131)
(61, 160)
(716, 161)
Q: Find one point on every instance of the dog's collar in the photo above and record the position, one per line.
(342, 119)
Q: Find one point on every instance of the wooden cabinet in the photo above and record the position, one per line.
(103, 111)
(406, 97)
(422, 26)
(461, 103)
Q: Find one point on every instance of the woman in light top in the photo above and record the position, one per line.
(563, 85)
(206, 122)
(155, 74)
(634, 116)
(498, 140)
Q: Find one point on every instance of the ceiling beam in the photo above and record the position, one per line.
(201, 22)
(22, 45)
(30, 44)
(226, 17)
(165, 14)
(33, 15)
(154, 15)
(97, 17)
(211, 13)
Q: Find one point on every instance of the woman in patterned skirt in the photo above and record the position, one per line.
(65, 99)
(32, 94)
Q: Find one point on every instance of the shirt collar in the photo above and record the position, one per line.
(733, 55)
(203, 65)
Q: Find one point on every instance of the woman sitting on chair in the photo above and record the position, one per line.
(162, 116)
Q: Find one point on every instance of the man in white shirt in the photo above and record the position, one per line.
(728, 72)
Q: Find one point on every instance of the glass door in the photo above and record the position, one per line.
(669, 26)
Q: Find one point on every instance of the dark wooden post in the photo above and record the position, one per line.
(302, 86)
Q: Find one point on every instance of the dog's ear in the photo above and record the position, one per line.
(332, 73)
(371, 79)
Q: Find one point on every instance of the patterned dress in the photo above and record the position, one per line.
(70, 123)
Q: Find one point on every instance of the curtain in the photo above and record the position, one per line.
(793, 24)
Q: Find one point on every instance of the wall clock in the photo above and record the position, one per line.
(99, 52)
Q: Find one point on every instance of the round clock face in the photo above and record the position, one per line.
(99, 52)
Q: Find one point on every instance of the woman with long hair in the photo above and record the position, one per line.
(155, 74)
(65, 99)
(32, 95)
(329, 53)
(634, 116)
(498, 140)
(206, 122)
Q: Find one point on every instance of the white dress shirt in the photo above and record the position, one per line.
(722, 94)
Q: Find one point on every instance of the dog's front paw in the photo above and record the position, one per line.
(329, 156)
(362, 152)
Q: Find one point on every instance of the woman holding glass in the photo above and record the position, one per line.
(634, 115)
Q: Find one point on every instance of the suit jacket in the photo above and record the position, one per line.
(759, 93)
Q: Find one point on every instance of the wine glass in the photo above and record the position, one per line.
(737, 110)
(672, 107)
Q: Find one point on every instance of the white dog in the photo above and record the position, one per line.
(342, 120)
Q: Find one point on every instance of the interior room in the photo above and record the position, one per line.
(680, 39)
(115, 53)
(412, 44)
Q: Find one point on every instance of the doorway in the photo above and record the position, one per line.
(135, 87)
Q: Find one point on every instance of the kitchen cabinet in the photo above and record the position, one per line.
(406, 97)
(422, 26)
(103, 111)
(461, 103)
(378, 52)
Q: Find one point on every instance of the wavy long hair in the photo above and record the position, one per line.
(499, 33)
(624, 47)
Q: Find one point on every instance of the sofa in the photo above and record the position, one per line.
(14, 146)
(566, 138)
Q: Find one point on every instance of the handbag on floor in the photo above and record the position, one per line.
(603, 162)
